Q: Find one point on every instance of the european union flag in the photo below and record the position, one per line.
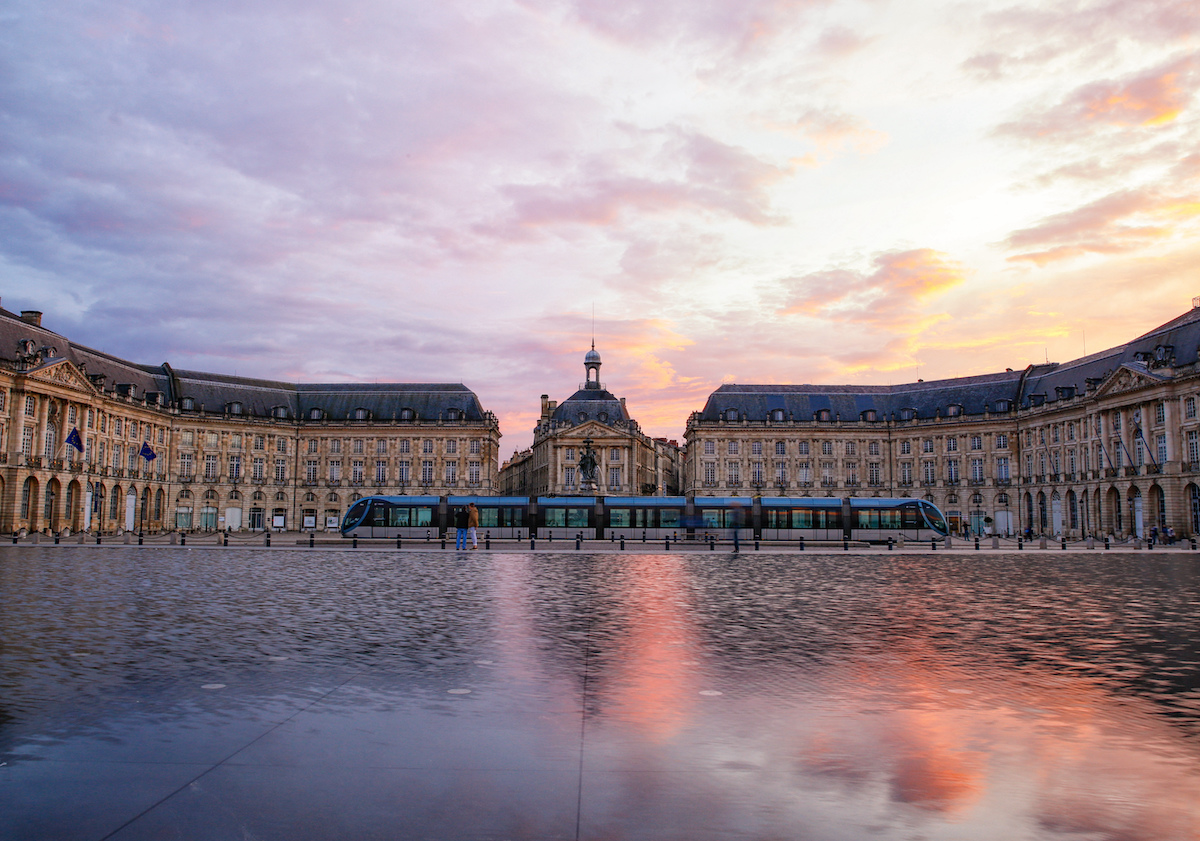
(147, 453)
(74, 440)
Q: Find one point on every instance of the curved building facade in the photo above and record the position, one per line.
(1106, 444)
(97, 443)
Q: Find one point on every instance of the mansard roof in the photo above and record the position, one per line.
(1157, 353)
(589, 404)
(214, 392)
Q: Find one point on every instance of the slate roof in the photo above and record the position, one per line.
(258, 397)
(590, 403)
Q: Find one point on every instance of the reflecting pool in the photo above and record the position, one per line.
(294, 694)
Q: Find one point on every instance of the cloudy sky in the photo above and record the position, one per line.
(814, 191)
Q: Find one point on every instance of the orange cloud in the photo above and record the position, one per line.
(902, 280)
(1153, 98)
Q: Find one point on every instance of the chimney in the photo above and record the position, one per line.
(545, 405)
(32, 317)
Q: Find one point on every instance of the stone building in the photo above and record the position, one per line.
(627, 462)
(1109, 443)
(166, 448)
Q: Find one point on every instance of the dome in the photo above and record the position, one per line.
(592, 357)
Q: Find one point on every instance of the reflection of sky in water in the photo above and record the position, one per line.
(805, 696)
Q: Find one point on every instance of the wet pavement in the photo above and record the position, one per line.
(178, 693)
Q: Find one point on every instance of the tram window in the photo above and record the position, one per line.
(889, 518)
(777, 519)
(556, 517)
(400, 517)
(866, 518)
(577, 517)
(711, 517)
(802, 518)
(620, 518)
(668, 518)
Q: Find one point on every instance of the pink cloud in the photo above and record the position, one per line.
(1152, 98)
(900, 282)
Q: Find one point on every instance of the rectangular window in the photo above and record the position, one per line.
(358, 446)
(403, 472)
(427, 446)
(976, 442)
(906, 448)
(356, 471)
(1160, 444)
(335, 446)
(929, 473)
(1001, 441)
(380, 446)
(1071, 431)
(756, 472)
(569, 477)
(827, 479)
(1002, 471)
(780, 448)
(1116, 421)
(310, 470)
(187, 438)
(380, 472)
(117, 427)
(873, 448)
(906, 472)
(313, 444)
(952, 469)
(185, 464)
(733, 448)
(614, 454)
(452, 447)
(91, 422)
(927, 445)
(235, 468)
(614, 477)
(826, 448)
(733, 471)
(72, 411)
(976, 470)
(235, 441)
(259, 442)
(451, 472)
(874, 474)
(27, 441)
(257, 469)
(569, 454)
(852, 472)
(1054, 434)
(280, 470)
(780, 472)
(281, 445)
(30, 405)
(1189, 408)
(476, 447)
(335, 470)
(212, 439)
(710, 448)
(1139, 452)
(1193, 446)
(1160, 413)
(951, 444)
(427, 471)
(116, 458)
(210, 467)
(803, 473)
(1116, 456)
(710, 473)
(756, 448)
(473, 472)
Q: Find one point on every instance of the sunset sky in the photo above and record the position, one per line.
(752, 191)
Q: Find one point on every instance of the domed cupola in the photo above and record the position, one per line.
(591, 365)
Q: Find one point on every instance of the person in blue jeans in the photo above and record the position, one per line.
(460, 528)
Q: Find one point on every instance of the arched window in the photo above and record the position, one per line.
(315, 414)
(281, 497)
(280, 412)
(361, 414)
(823, 415)
(407, 414)
(777, 415)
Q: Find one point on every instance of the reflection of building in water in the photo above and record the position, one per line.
(228, 452)
(627, 462)
(1109, 443)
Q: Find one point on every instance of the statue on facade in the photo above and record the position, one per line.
(587, 467)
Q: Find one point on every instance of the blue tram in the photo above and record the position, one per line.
(651, 517)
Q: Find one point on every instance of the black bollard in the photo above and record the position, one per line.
(756, 544)
(612, 537)
(802, 544)
(56, 540)
(397, 541)
(426, 535)
(845, 545)
(578, 543)
(668, 543)
(1020, 544)
(1064, 544)
(890, 541)
(551, 536)
(622, 543)
(312, 540)
(976, 543)
(643, 535)
(531, 541)
(933, 543)
(97, 538)
(443, 542)
(354, 543)
(14, 538)
(225, 539)
(268, 542)
(140, 538)
(1106, 543)
(712, 543)
(487, 540)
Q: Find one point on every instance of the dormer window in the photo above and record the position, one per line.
(234, 408)
(908, 414)
(823, 415)
(453, 414)
(280, 412)
(731, 414)
(1001, 405)
(953, 410)
(316, 414)
(582, 416)
(187, 404)
(603, 416)
(777, 415)
(407, 415)
(870, 415)
(361, 414)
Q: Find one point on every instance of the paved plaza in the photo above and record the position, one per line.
(239, 692)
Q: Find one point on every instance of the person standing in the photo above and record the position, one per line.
(473, 524)
(460, 528)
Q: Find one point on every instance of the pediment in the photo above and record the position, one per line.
(593, 429)
(1128, 378)
(61, 372)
